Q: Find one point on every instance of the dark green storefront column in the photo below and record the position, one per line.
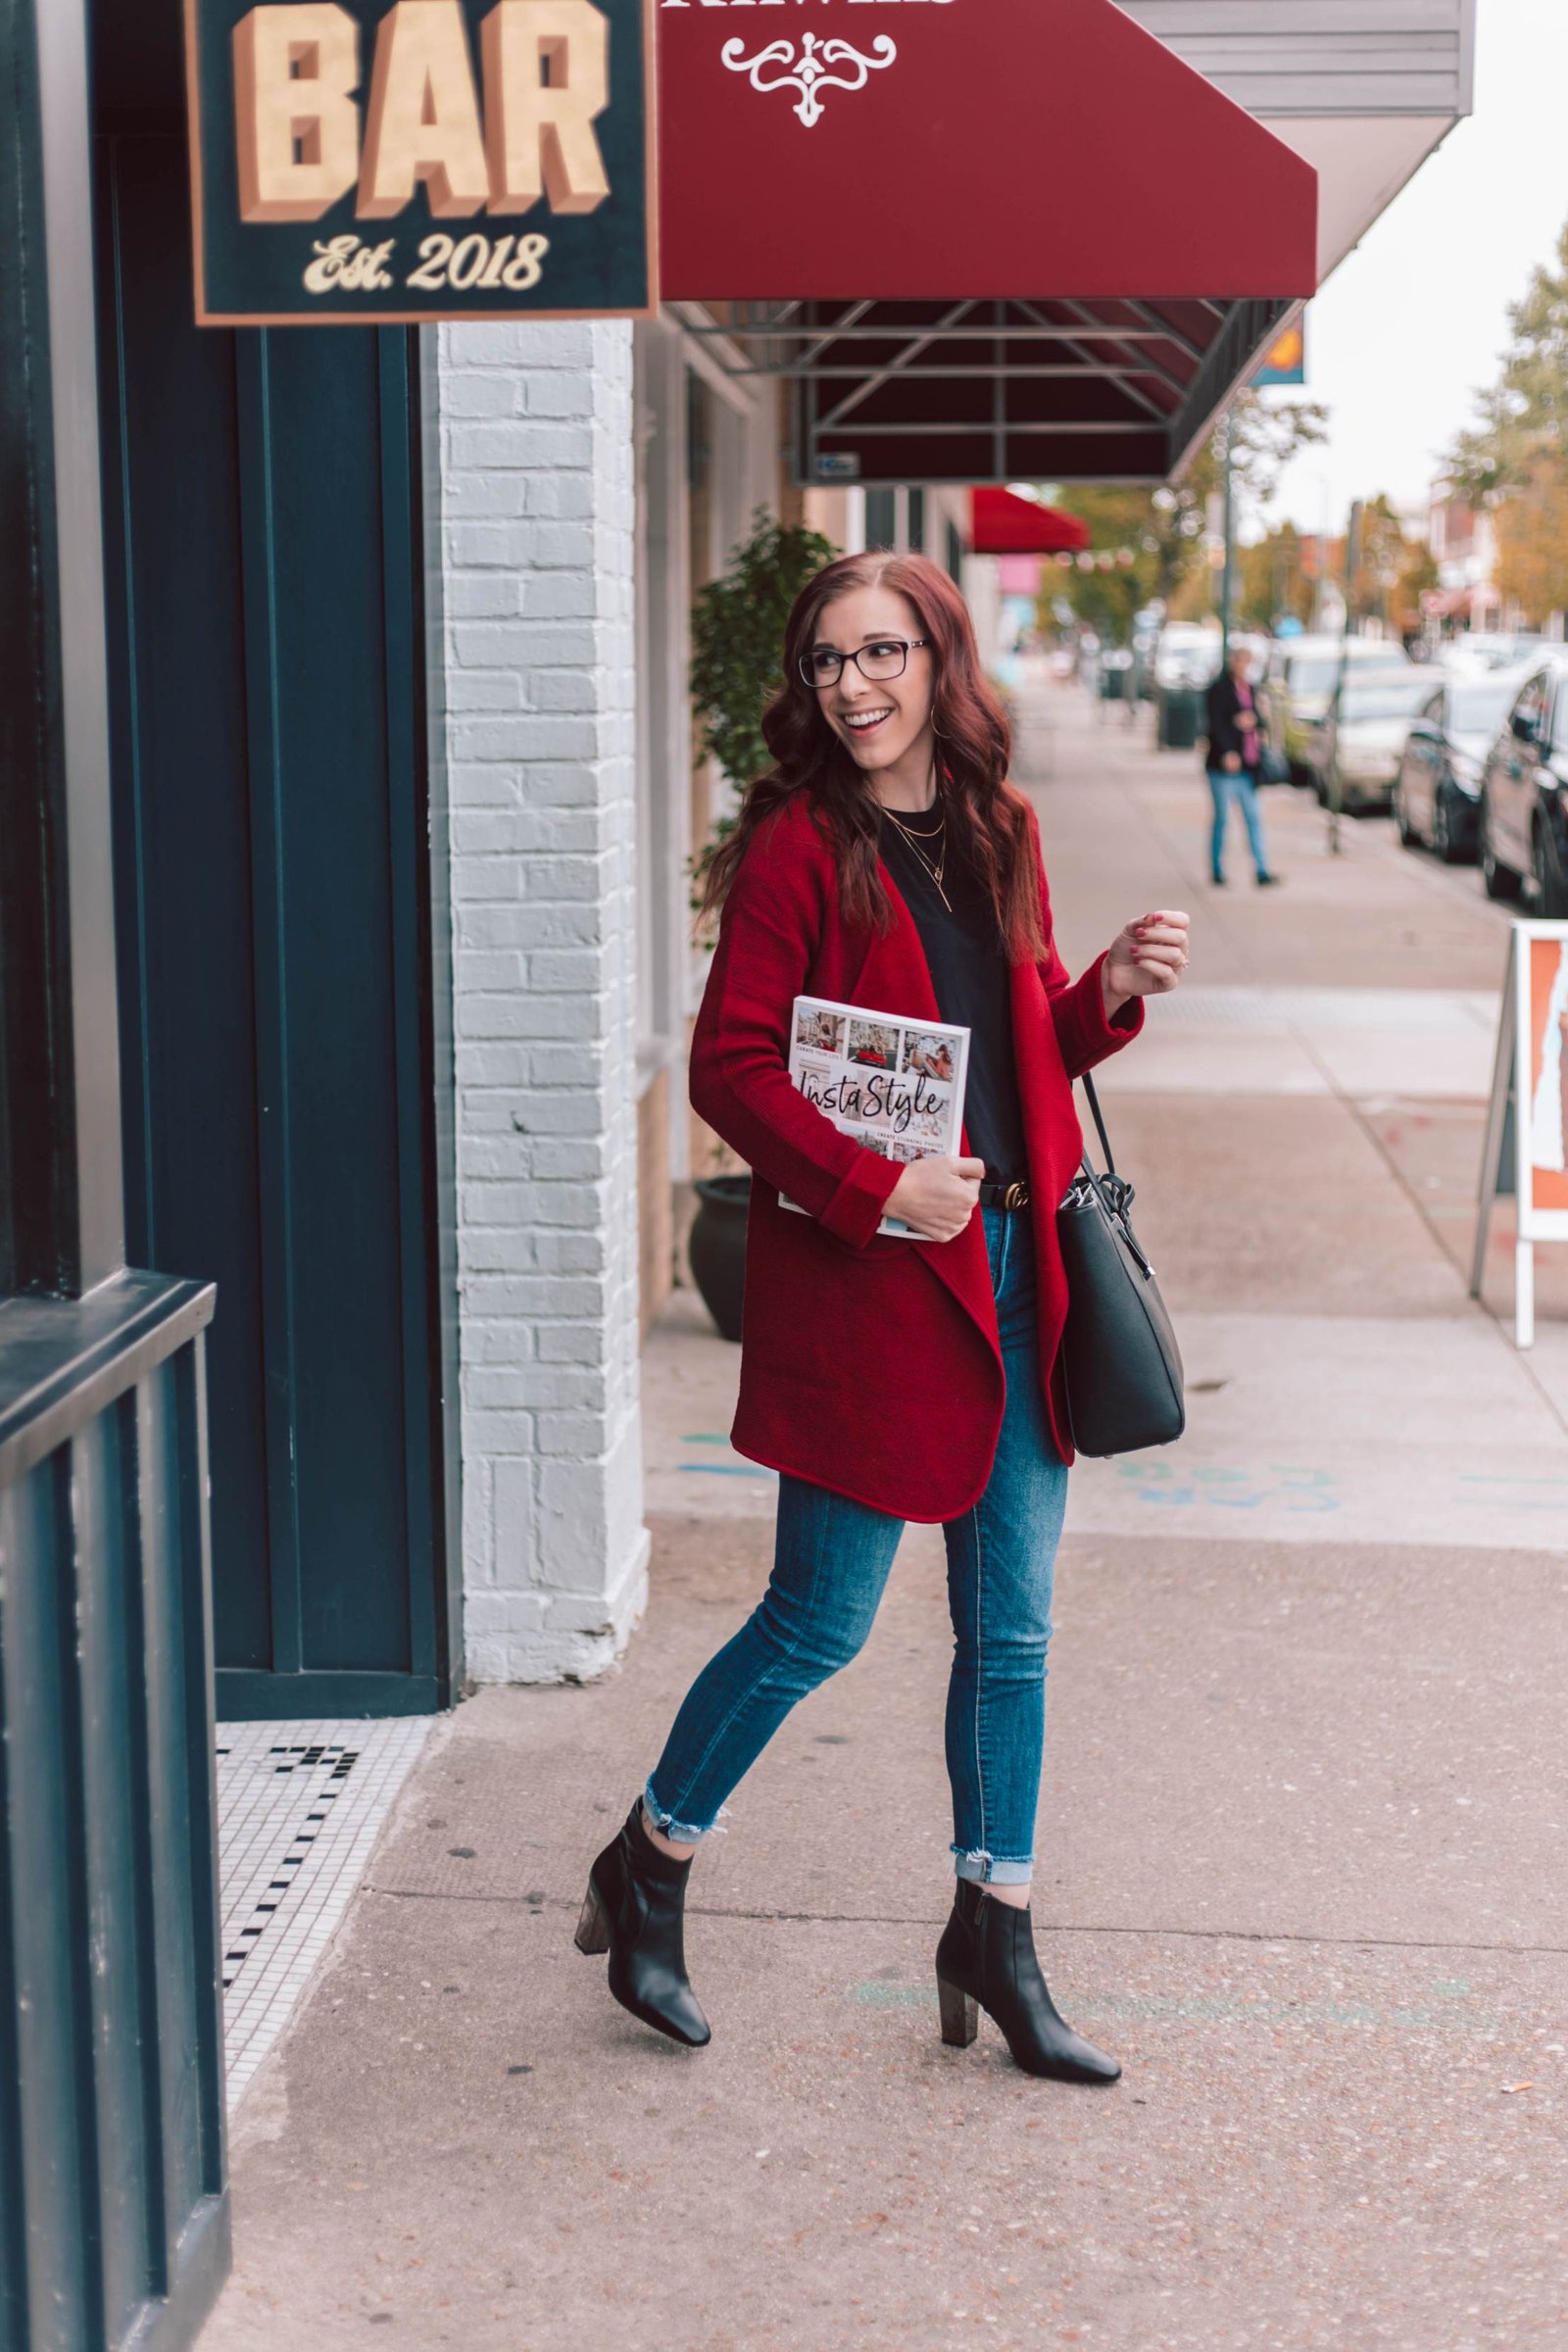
(113, 2209)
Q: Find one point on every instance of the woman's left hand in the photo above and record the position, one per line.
(1147, 959)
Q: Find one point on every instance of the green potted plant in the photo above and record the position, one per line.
(737, 628)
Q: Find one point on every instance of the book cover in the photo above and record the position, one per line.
(896, 1085)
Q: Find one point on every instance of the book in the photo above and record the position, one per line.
(896, 1085)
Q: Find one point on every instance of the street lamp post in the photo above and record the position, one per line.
(1322, 537)
(1228, 574)
(1336, 775)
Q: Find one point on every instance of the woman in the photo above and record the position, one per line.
(887, 862)
(1235, 754)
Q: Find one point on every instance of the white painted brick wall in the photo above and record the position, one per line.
(537, 495)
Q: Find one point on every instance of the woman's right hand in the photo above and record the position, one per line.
(937, 1196)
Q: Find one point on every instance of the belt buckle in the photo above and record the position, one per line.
(1016, 1195)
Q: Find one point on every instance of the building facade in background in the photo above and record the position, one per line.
(1463, 540)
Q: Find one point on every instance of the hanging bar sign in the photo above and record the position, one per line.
(432, 159)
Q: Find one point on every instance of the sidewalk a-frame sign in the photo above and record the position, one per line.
(355, 161)
(1526, 1149)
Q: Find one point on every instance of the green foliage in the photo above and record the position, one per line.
(1155, 538)
(1380, 560)
(1524, 416)
(1265, 438)
(1533, 540)
(737, 630)
(1272, 581)
(1514, 457)
(1417, 576)
(1141, 544)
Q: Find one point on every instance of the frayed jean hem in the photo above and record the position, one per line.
(679, 1833)
(991, 1870)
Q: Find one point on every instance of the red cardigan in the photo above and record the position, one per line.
(871, 1363)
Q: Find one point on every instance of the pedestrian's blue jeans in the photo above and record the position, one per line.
(832, 1558)
(1226, 788)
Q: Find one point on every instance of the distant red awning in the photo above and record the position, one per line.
(982, 240)
(1005, 524)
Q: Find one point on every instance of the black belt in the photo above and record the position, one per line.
(1004, 1195)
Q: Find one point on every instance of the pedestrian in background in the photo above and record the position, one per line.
(1235, 750)
(887, 861)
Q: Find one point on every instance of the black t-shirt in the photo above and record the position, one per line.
(970, 973)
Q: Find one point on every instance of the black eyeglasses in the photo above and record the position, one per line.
(884, 658)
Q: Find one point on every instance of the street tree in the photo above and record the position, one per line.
(1380, 560)
(1141, 544)
(1532, 527)
(1156, 539)
(1264, 438)
(1272, 582)
(1416, 578)
(1524, 416)
(1514, 457)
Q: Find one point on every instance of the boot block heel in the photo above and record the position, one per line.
(961, 2015)
(593, 1927)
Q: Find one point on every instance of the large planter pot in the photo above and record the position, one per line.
(718, 1247)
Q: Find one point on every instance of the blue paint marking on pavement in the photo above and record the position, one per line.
(728, 1469)
(1511, 1494)
(735, 1468)
(1293, 1485)
(1503, 1477)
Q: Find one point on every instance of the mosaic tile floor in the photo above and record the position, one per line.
(299, 1808)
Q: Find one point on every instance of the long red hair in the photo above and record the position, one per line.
(974, 747)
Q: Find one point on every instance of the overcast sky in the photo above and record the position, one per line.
(1414, 320)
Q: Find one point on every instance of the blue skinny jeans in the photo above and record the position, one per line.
(832, 1558)
(1225, 788)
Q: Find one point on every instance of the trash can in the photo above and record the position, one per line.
(1115, 678)
(1180, 715)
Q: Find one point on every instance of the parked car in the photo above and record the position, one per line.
(1494, 649)
(1437, 800)
(1302, 675)
(1365, 732)
(1523, 796)
(1187, 654)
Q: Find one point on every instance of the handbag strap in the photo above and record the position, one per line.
(1114, 1193)
(1100, 1124)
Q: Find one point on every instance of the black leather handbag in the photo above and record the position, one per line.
(1119, 1355)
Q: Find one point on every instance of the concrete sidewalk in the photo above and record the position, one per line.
(1303, 1832)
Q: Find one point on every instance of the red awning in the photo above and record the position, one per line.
(989, 240)
(981, 147)
(1005, 524)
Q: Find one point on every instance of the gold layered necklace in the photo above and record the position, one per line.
(935, 866)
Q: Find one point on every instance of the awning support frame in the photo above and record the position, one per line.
(1121, 389)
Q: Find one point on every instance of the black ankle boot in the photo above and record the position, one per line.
(986, 1960)
(633, 1911)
